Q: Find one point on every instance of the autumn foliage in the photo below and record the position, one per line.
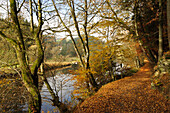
(131, 94)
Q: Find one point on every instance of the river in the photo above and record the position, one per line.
(14, 96)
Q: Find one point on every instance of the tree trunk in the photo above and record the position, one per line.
(71, 36)
(55, 98)
(160, 51)
(148, 53)
(85, 62)
(31, 15)
(87, 51)
(168, 20)
(29, 76)
(35, 103)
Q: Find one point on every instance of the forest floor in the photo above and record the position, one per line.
(131, 94)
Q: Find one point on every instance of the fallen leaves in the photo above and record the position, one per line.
(132, 94)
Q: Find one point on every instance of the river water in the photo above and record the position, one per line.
(14, 96)
(62, 84)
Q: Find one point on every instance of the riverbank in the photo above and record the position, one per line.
(130, 94)
(54, 65)
(13, 72)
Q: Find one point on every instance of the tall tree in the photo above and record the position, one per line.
(168, 20)
(132, 7)
(29, 75)
(81, 13)
(160, 51)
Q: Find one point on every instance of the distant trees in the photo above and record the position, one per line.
(57, 50)
(67, 48)
(122, 30)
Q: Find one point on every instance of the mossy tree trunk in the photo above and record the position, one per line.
(29, 75)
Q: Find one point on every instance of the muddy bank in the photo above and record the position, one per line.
(54, 65)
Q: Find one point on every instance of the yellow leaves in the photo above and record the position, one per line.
(81, 93)
(4, 82)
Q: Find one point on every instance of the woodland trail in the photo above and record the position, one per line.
(131, 94)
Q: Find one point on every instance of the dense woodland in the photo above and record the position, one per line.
(100, 35)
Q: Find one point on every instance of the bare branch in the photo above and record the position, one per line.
(71, 36)
(72, 8)
(12, 41)
(12, 68)
(95, 24)
(118, 20)
(21, 6)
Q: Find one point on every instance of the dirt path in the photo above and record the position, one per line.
(130, 94)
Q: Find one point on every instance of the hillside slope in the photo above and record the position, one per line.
(130, 94)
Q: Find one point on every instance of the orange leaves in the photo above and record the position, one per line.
(153, 20)
(4, 82)
(131, 94)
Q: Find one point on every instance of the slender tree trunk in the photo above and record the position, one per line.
(168, 20)
(55, 98)
(71, 36)
(160, 51)
(31, 14)
(7, 10)
(87, 51)
(72, 8)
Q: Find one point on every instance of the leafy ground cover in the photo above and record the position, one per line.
(130, 94)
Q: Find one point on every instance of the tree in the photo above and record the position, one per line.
(147, 26)
(168, 20)
(160, 51)
(80, 14)
(29, 74)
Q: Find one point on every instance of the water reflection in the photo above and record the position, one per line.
(62, 85)
(15, 98)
